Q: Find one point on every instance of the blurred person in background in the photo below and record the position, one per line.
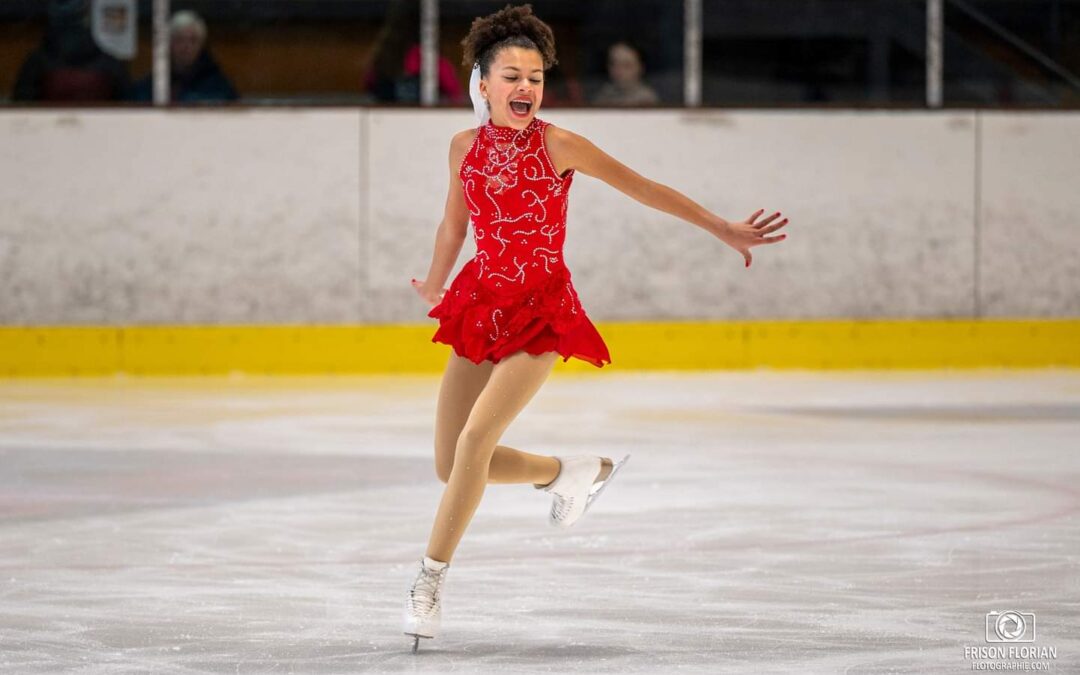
(195, 74)
(625, 85)
(69, 65)
(392, 69)
(562, 88)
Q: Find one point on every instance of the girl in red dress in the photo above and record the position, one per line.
(512, 309)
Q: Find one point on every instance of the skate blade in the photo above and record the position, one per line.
(416, 641)
(607, 481)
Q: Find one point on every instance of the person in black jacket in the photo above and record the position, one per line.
(196, 75)
(68, 66)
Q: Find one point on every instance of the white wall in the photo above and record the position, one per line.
(323, 215)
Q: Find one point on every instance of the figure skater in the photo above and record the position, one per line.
(512, 310)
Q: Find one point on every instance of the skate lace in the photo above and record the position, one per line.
(425, 591)
(561, 506)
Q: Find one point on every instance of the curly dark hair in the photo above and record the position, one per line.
(509, 27)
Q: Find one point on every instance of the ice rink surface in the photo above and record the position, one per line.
(767, 521)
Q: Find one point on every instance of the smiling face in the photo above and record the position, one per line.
(517, 74)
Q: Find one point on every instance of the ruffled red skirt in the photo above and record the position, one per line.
(481, 324)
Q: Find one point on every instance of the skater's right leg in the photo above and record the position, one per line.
(462, 382)
(513, 382)
(475, 404)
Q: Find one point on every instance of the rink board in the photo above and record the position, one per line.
(688, 345)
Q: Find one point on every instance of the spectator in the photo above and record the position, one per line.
(195, 74)
(392, 73)
(68, 65)
(625, 87)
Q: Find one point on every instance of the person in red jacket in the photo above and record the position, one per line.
(393, 69)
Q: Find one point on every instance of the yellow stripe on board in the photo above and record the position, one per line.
(691, 345)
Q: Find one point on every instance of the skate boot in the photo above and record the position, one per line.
(423, 602)
(576, 487)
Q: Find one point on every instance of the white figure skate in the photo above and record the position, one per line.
(423, 603)
(576, 487)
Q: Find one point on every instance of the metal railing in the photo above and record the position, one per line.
(936, 37)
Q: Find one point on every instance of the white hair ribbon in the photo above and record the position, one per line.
(479, 107)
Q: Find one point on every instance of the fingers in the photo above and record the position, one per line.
(766, 240)
(773, 228)
(420, 284)
(757, 229)
(768, 220)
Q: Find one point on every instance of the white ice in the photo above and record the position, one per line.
(767, 521)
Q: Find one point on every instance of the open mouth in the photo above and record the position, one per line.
(521, 108)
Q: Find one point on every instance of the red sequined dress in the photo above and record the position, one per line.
(516, 292)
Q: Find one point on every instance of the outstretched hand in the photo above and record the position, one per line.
(429, 296)
(747, 233)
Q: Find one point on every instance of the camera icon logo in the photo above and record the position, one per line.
(1010, 626)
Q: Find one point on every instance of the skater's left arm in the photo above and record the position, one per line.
(579, 153)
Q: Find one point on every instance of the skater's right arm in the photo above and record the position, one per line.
(450, 235)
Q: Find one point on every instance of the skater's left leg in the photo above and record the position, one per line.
(513, 382)
(462, 383)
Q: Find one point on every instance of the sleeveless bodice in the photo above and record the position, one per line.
(517, 203)
(516, 293)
